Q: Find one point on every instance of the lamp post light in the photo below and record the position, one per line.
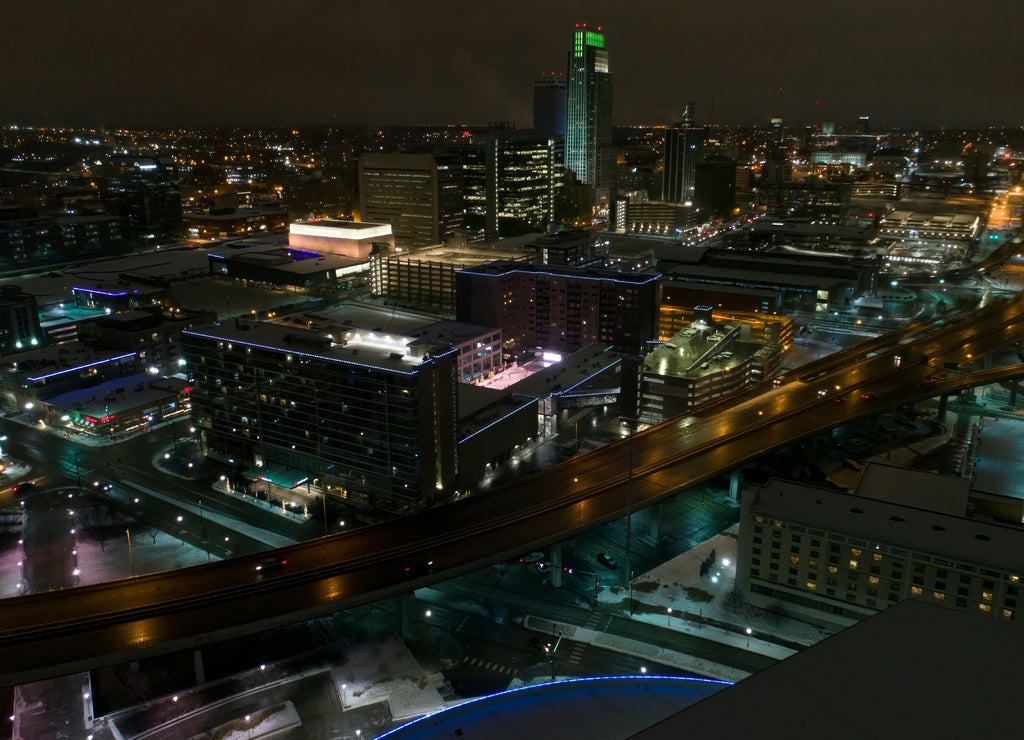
(323, 497)
(748, 636)
(632, 422)
(668, 621)
(131, 557)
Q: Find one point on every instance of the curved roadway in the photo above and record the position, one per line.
(52, 634)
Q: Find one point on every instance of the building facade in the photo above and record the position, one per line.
(557, 307)
(147, 192)
(419, 195)
(684, 148)
(19, 321)
(834, 558)
(370, 417)
(513, 182)
(589, 151)
(702, 363)
(549, 104)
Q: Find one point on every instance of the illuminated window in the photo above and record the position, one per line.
(794, 559)
(814, 587)
(985, 607)
(1014, 579)
(877, 556)
(833, 569)
(986, 595)
(916, 590)
(873, 580)
(939, 596)
(853, 564)
(1007, 613)
(855, 552)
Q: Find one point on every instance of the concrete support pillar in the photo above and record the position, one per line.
(656, 520)
(556, 565)
(734, 485)
(940, 415)
(403, 602)
(197, 660)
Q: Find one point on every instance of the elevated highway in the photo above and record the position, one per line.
(51, 634)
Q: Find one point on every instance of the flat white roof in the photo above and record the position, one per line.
(332, 229)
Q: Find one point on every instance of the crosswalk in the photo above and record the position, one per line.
(486, 665)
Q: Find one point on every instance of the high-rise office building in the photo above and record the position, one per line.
(549, 104)
(420, 195)
(589, 152)
(684, 147)
(513, 181)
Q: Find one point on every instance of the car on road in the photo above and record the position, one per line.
(23, 486)
(539, 645)
(607, 561)
(270, 564)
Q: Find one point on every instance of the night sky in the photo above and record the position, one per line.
(256, 62)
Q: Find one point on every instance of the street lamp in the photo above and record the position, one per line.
(629, 512)
(131, 558)
(668, 621)
(748, 636)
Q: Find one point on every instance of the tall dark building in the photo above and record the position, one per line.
(147, 192)
(715, 186)
(420, 195)
(549, 104)
(684, 147)
(589, 152)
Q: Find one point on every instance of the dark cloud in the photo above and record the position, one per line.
(398, 61)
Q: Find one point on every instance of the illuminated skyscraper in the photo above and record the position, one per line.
(588, 118)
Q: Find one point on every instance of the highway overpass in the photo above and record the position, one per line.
(56, 633)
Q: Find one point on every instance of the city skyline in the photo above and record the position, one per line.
(400, 63)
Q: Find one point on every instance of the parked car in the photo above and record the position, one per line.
(607, 561)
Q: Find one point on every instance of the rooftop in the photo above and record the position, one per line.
(347, 345)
